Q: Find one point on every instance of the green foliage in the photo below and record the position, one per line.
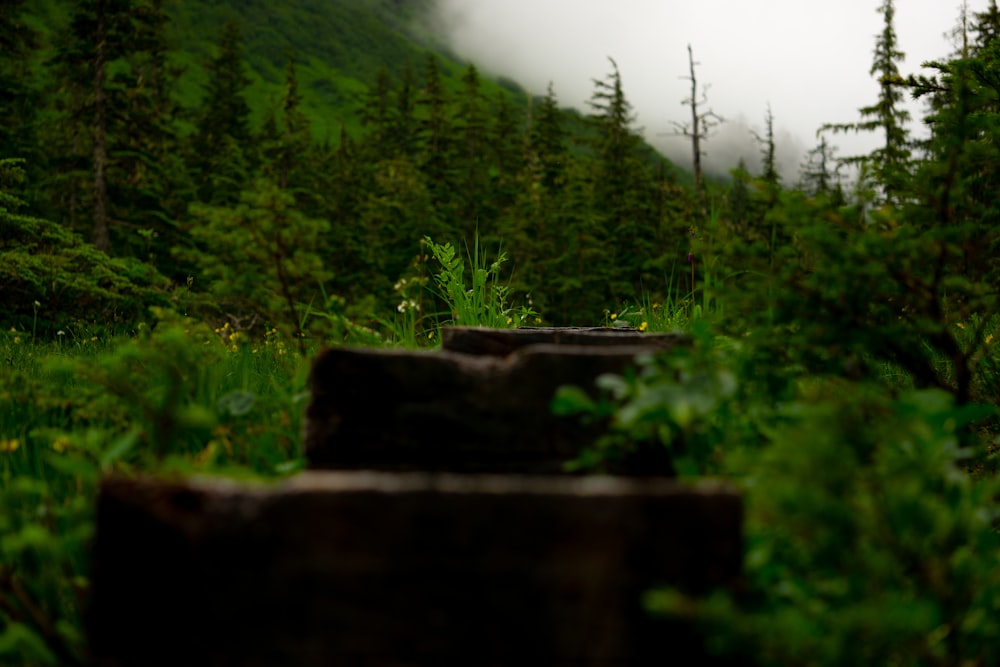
(684, 402)
(841, 341)
(484, 302)
(219, 146)
(891, 162)
(273, 272)
(867, 541)
(177, 398)
(47, 269)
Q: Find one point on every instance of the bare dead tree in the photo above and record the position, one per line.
(699, 128)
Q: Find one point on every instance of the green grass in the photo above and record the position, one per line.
(180, 399)
(177, 397)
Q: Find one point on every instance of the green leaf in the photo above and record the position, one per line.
(237, 403)
(570, 400)
(120, 447)
(290, 467)
(25, 646)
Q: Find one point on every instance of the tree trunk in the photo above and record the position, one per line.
(102, 237)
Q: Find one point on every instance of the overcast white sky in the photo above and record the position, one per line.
(808, 58)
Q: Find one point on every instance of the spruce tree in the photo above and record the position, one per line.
(471, 153)
(620, 182)
(768, 149)
(435, 133)
(402, 118)
(107, 112)
(820, 173)
(20, 99)
(149, 184)
(376, 112)
(287, 156)
(889, 164)
(506, 153)
(987, 25)
(218, 147)
(548, 141)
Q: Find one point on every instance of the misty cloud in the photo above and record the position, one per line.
(808, 60)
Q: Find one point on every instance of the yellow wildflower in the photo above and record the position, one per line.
(959, 325)
(989, 339)
(10, 446)
(17, 340)
(614, 316)
(207, 454)
(643, 326)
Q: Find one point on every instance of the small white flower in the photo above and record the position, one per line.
(60, 333)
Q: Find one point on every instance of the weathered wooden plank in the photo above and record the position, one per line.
(380, 569)
(447, 411)
(502, 342)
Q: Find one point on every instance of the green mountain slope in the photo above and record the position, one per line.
(339, 46)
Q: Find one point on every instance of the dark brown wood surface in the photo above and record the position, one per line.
(383, 569)
(449, 411)
(502, 342)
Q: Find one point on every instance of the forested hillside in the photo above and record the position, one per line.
(331, 139)
(197, 197)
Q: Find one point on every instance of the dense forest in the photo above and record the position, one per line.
(195, 197)
(136, 173)
(209, 194)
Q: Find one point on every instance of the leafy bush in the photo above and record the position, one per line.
(484, 302)
(47, 269)
(177, 398)
(867, 542)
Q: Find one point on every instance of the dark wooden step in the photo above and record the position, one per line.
(449, 411)
(502, 342)
(383, 569)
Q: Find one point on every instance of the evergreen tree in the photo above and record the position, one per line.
(506, 149)
(272, 271)
(219, 146)
(768, 165)
(889, 164)
(548, 141)
(620, 181)
(104, 120)
(287, 154)
(97, 36)
(149, 185)
(402, 138)
(820, 174)
(956, 186)
(471, 153)
(987, 25)
(376, 111)
(435, 136)
(19, 98)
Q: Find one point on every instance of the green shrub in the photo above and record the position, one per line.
(867, 541)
